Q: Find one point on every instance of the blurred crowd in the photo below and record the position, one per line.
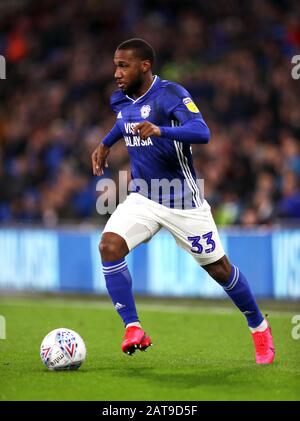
(234, 58)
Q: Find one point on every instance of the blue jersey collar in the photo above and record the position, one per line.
(153, 86)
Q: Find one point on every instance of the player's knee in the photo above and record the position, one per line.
(220, 275)
(220, 271)
(108, 251)
(111, 249)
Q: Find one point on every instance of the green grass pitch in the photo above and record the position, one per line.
(200, 352)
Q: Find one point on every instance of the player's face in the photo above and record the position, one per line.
(130, 71)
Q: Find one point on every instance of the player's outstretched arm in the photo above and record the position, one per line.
(192, 131)
(100, 154)
(99, 159)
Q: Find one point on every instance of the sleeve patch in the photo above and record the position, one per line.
(190, 105)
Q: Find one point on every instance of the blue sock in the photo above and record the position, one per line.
(239, 291)
(119, 286)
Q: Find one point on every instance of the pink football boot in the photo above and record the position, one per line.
(135, 338)
(264, 346)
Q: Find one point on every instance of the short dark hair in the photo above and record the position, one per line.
(143, 50)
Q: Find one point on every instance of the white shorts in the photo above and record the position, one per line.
(138, 219)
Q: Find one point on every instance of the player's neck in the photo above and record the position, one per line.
(144, 86)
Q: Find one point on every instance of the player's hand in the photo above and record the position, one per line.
(146, 129)
(99, 159)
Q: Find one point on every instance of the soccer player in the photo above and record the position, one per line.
(159, 121)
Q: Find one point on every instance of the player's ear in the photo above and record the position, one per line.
(146, 65)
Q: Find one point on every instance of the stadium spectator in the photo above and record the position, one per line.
(234, 59)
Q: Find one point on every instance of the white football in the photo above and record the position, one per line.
(63, 349)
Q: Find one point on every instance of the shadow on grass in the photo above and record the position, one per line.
(186, 379)
(183, 377)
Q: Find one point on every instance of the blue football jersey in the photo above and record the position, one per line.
(161, 168)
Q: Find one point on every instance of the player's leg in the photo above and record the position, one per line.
(130, 225)
(238, 289)
(113, 249)
(196, 232)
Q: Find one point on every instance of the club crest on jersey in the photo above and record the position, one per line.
(190, 105)
(145, 111)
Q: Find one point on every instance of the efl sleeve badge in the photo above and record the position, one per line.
(190, 105)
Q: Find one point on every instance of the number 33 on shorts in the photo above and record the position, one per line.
(206, 240)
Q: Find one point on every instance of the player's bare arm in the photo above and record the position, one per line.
(99, 159)
(146, 129)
